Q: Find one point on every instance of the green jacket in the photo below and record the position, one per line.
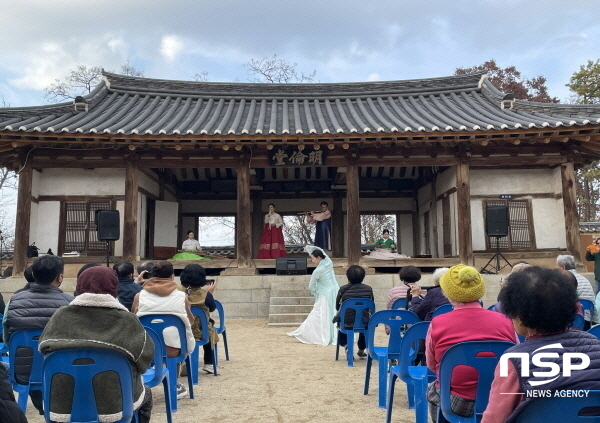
(595, 257)
(97, 321)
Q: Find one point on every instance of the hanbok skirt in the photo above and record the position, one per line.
(271, 243)
(318, 327)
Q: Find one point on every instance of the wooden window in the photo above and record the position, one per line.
(520, 226)
(79, 226)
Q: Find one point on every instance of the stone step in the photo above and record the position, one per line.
(289, 285)
(287, 318)
(293, 301)
(286, 309)
(290, 293)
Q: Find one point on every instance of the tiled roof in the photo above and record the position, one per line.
(142, 106)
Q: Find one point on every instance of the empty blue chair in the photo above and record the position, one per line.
(595, 330)
(30, 339)
(358, 305)
(469, 354)
(415, 377)
(446, 308)
(579, 322)
(159, 373)
(195, 356)
(395, 319)
(588, 306)
(560, 410)
(221, 330)
(159, 322)
(399, 304)
(82, 365)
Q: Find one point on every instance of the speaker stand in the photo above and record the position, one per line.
(497, 256)
(107, 257)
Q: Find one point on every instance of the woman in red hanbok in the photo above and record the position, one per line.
(271, 241)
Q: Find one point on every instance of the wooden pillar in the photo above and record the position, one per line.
(567, 173)
(243, 222)
(257, 222)
(131, 209)
(23, 222)
(337, 226)
(465, 237)
(352, 201)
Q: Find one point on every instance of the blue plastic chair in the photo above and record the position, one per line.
(399, 304)
(84, 402)
(159, 322)
(26, 338)
(3, 346)
(415, 377)
(492, 307)
(589, 306)
(443, 309)
(195, 356)
(395, 319)
(578, 323)
(466, 353)
(159, 373)
(595, 330)
(358, 305)
(559, 410)
(221, 330)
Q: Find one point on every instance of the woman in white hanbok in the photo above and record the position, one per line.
(318, 327)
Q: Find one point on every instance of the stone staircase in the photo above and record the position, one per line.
(290, 302)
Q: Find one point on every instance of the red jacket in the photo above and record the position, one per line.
(467, 322)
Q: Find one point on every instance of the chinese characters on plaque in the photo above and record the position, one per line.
(291, 156)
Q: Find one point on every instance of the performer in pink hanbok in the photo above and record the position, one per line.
(271, 241)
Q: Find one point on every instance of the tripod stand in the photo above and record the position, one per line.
(495, 269)
(107, 256)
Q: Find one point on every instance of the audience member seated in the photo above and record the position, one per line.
(584, 287)
(9, 410)
(200, 294)
(81, 270)
(144, 271)
(354, 289)
(95, 318)
(542, 304)
(464, 287)
(518, 267)
(128, 287)
(424, 307)
(408, 275)
(31, 309)
(161, 296)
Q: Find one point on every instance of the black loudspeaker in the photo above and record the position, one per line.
(290, 265)
(107, 225)
(496, 221)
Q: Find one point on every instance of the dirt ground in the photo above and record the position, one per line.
(273, 378)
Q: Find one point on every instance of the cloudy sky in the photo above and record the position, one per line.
(342, 40)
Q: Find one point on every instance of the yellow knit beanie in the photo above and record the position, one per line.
(463, 284)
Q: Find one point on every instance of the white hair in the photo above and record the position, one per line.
(437, 275)
(566, 261)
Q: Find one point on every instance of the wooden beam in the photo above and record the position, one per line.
(465, 238)
(23, 222)
(567, 173)
(243, 222)
(131, 208)
(352, 203)
(337, 226)
(257, 222)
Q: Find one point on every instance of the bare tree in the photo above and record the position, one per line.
(276, 71)
(297, 231)
(201, 77)
(4, 103)
(225, 224)
(129, 70)
(372, 226)
(8, 185)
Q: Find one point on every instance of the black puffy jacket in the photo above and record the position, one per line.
(31, 309)
(127, 291)
(357, 290)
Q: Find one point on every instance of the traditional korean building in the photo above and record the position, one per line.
(434, 152)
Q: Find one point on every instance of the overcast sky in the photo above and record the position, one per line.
(342, 40)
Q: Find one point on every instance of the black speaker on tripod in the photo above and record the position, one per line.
(109, 229)
(496, 226)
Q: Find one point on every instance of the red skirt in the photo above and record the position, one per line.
(271, 243)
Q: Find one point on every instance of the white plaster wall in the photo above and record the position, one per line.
(446, 180)
(33, 223)
(35, 183)
(165, 231)
(556, 180)
(48, 216)
(82, 182)
(148, 183)
(514, 181)
(454, 222)
(548, 223)
(406, 234)
(119, 243)
(477, 225)
(142, 223)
